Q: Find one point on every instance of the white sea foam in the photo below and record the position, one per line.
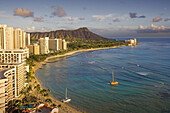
(91, 62)
(160, 85)
(143, 73)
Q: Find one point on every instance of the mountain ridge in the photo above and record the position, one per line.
(80, 33)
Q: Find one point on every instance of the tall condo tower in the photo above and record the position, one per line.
(44, 47)
(6, 37)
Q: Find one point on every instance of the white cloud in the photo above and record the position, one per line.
(127, 27)
(69, 18)
(102, 17)
(30, 29)
(153, 29)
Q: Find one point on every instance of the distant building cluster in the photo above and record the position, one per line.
(13, 67)
(46, 44)
(131, 42)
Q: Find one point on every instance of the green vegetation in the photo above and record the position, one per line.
(87, 44)
(33, 40)
(39, 58)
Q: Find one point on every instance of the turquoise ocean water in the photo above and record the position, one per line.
(143, 73)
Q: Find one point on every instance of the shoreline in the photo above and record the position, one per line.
(77, 51)
(66, 108)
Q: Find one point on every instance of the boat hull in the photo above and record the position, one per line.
(113, 83)
(66, 100)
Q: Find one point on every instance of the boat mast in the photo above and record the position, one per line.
(66, 93)
(113, 76)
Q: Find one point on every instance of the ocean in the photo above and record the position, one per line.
(143, 73)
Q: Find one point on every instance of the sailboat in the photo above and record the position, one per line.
(66, 98)
(113, 82)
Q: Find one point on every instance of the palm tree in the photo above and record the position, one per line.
(38, 88)
(46, 94)
(48, 90)
(53, 105)
(17, 104)
(48, 100)
(59, 106)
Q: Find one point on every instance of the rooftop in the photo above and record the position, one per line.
(2, 71)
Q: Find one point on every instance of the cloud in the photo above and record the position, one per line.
(23, 12)
(142, 16)
(116, 20)
(134, 15)
(3, 15)
(73, 18)
(102, 17)
(167, 19)
(81, 18)
(59, 11)
(114, 32)
(37, 19)
(157, 19)
(153, 29)
(30, 29)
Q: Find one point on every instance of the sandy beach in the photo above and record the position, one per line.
(65, 107)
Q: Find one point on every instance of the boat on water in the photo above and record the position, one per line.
(113, 82)
(66, 98)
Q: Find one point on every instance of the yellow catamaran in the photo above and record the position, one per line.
(113, 82)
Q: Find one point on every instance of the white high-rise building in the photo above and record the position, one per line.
(19, 39)
(6, 37)
(23, 39)
(44, 46)
(64, 45)
(14, 56)
(7, 87)
(27, 38)
(54, 44)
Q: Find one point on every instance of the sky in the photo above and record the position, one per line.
(109, 18)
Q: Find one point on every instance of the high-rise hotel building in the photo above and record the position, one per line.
(13, 56)
(47, 44)
(54, 44)
(27, 39)
(64, 43)
(60, 44)
(19, 39)
(44, 46)
(6, 37)
(34, 49)
(13, 39)
(13, 67)
(7, 87)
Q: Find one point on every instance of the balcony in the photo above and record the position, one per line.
(2, 87)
